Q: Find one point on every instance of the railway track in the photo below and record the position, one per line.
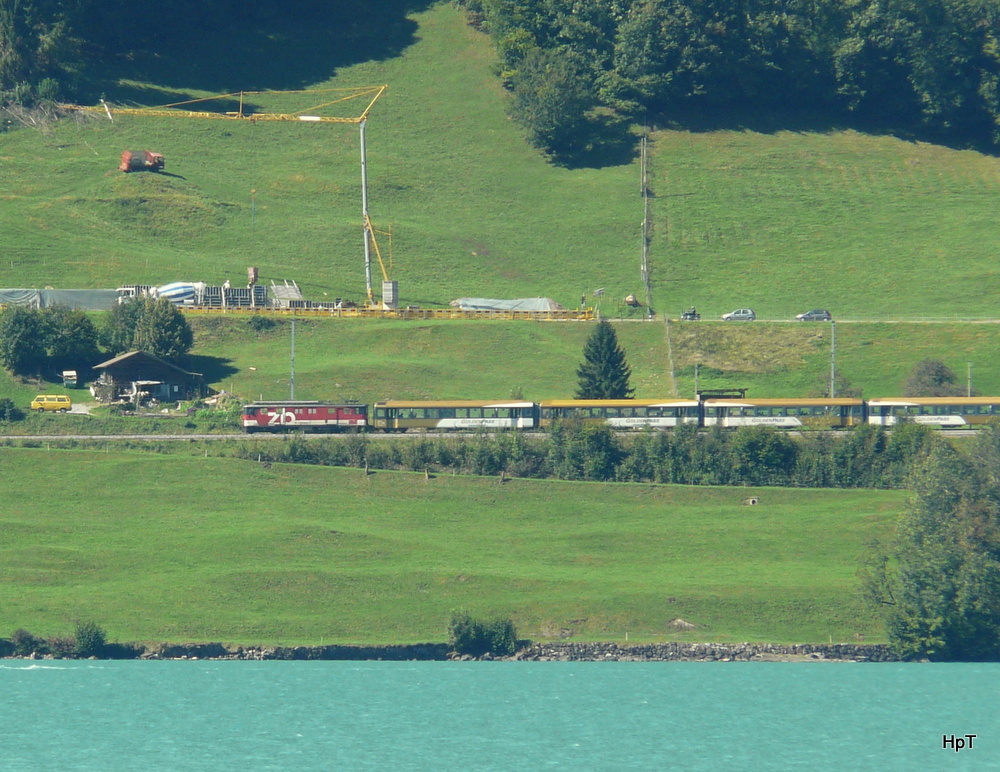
(9, 438)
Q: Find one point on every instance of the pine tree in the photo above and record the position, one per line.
(604, 373)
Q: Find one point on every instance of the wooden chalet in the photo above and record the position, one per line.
(139, 377)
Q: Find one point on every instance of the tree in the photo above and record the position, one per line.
(89, 640)
(22, 340)
(932, 378)
(9, 411)
(475, 637)
(936, 583)
(163, 331)
(118, 332)
(762, 456)
(70, 337)
(604, 373)
(552, 98)
(153, 326)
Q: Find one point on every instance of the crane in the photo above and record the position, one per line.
(186, 109)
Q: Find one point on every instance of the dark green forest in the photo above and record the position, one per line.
(927, 67)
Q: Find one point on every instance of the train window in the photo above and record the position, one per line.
(503, 412)
(251, 411)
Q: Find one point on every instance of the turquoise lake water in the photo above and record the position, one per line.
(207, 716)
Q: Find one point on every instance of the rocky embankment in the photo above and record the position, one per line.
(704, 652)
(528, 652)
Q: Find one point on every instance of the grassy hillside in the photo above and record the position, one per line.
(871, 227)
(373, 360)
(189, 549)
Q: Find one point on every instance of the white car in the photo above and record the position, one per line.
(740, 315)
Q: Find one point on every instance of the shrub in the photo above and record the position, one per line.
(61, 646)
(259, 324)
(476, 637)
(26, 644)
(89, 639)
(9, 411)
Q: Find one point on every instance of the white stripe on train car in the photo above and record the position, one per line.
(655, 422)
(474, 423)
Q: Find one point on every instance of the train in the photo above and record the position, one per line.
(709, 409)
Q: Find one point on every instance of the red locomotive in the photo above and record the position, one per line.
(308, 416)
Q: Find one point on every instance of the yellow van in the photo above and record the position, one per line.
(51, 402)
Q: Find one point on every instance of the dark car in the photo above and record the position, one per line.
(816, 315)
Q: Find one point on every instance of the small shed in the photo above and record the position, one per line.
(140, 377)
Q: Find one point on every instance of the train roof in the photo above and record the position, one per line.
(302, 403)
(402, 403)
(776, 402)
(618, 403)
(904, 401)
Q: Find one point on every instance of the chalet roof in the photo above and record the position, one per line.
(140, 358)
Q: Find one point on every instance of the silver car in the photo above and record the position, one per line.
(740, 315)
(816, 315)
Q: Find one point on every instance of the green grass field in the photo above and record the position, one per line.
(205, 549)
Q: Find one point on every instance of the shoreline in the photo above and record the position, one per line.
(527, 652)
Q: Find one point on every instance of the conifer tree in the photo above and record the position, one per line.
(604, 373)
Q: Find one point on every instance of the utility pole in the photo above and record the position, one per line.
(644, 262)
(968, 386)
(291, 380)
(833, 359)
